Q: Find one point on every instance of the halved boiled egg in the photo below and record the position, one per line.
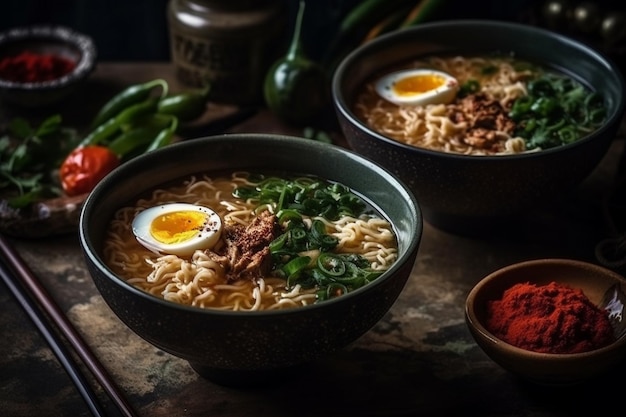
(417, 87)
(177, 228)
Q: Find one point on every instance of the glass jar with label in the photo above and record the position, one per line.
(227, 43)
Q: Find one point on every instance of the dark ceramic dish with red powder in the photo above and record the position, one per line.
(41, 65)
(539, 346)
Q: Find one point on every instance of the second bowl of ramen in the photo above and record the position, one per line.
(483, 120)
(249, 255)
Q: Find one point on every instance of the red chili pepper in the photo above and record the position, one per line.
(84, 167)
(30, 67)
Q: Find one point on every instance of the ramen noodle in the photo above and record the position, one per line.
(476, 123)
(200, 280)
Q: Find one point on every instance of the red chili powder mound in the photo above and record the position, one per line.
(28, 67)
(550, 318)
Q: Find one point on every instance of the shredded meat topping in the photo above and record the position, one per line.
(488, 123)
(246, 253)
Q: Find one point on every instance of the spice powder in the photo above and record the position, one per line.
(551, 318)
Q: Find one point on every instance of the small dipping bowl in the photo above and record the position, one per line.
(602, 286)
(58, 41)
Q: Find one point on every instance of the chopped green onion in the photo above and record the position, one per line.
(296, 265)
(331, 265)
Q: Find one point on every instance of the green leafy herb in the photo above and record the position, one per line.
(29, 156)
(557, 110)
(308, 196)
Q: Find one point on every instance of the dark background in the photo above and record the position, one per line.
(137, 29)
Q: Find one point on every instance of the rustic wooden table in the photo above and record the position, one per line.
(418, 360)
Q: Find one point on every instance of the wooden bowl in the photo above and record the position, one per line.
(595, 281)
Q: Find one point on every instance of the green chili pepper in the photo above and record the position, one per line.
(544, 106)
(165, 136)
(296, 265)
(295, 88)
(541, 87)
(131, 95)
(424, 11)
(331, 265)
(186, 106)
(520, 108)
(278, 243)
(595, 117)
(132, 139)
(134, 112)
(288, 214)
(113, 125)
(568, 134)
(331, 291)
(320, 238)
(298, 234)
(356, 24)
(101, 132)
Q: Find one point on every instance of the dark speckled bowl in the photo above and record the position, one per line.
(44, 39)
(243, 348)
(466, 194)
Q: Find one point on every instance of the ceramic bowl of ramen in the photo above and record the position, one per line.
(531, 114)
(551, 321)
(41, 65)
(250, 255)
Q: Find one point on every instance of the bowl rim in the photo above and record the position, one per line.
(125, 170)
(59, 33)
(473, 322)
(341, 105)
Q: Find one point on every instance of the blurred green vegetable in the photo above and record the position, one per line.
(372, 18)
(29, 156)
(424, 11)
(356, 25)
(186, 106)
(295, 87)
(131, 127)
(130, 96)
(134, 121)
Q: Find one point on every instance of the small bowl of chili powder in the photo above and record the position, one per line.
(551, 321)
(41, 65)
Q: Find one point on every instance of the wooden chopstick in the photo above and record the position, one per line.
(34, 299)
(37, 317)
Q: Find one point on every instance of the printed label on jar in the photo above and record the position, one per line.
(233, 68)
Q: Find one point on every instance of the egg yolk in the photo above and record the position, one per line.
(418, 84)
(178, 226)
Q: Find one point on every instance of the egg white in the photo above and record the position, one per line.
(205, 238)
(443, 94)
